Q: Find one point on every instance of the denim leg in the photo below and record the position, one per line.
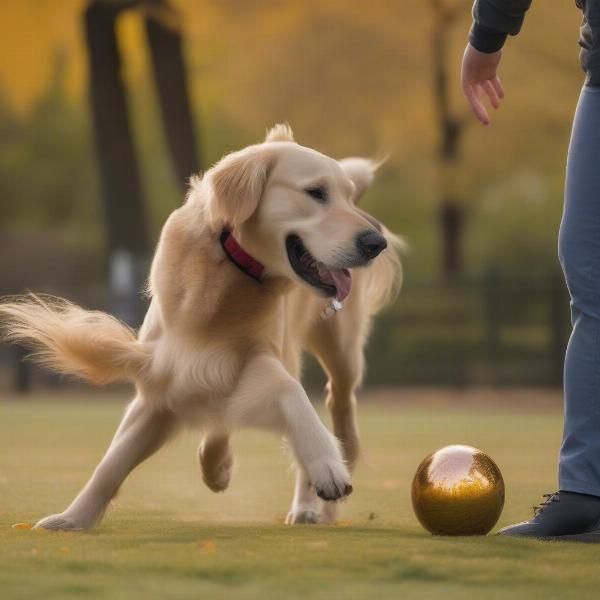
(579, 251)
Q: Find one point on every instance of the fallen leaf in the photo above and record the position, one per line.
(344, 523)
(207, 546)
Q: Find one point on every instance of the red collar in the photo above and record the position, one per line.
(239, 257)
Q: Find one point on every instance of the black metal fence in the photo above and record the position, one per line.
(498, 330)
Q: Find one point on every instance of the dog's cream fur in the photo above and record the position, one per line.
(218, 351)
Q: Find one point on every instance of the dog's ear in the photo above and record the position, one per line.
(281, 132)
(237, 183)
(361, 171)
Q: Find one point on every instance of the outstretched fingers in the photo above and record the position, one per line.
(498, 86)
(472, 94)
(490, 90)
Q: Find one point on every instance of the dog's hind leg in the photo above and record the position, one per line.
(339, 349)
(216, 461)
(141, 433)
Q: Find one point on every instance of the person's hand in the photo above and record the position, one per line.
(480, 73)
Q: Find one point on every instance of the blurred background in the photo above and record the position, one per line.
(107, 106)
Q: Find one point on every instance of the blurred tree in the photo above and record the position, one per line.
(450, 127)
(163, 29)
(46, 171)
(128, 239)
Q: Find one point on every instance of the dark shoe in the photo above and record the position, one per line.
(563, 516)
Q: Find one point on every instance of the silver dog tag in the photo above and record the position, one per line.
(330, 310)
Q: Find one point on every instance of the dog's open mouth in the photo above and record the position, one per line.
(330, 282)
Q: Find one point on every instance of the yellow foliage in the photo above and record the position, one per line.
(350, 77)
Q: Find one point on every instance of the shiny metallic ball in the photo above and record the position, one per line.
(458, 490)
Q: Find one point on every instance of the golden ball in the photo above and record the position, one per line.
(458, 490)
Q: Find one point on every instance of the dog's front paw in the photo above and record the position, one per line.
(330, 479)
(61, 522)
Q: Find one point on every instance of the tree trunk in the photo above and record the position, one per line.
(164, 39)
(124, 206)
(125, 213)
(119, 172)
(451, 209)
(451, 222)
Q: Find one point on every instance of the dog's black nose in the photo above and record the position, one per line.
(370, 243)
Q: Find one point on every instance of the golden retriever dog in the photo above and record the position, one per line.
(248, 273)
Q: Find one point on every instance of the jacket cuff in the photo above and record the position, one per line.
(485, 39)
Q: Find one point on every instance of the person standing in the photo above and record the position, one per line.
(572, 513)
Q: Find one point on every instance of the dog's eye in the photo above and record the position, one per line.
(317, 193)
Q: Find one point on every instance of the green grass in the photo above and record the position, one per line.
(167, 536)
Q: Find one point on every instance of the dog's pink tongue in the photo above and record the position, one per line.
(340, 278)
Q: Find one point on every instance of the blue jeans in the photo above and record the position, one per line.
(579, 251)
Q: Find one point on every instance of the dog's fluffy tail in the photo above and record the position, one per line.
(385, 278)
(68, 339)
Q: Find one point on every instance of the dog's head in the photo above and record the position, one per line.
(294, 209)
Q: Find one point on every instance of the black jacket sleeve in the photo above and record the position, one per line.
(494, 20)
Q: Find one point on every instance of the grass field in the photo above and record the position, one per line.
(167, 536)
